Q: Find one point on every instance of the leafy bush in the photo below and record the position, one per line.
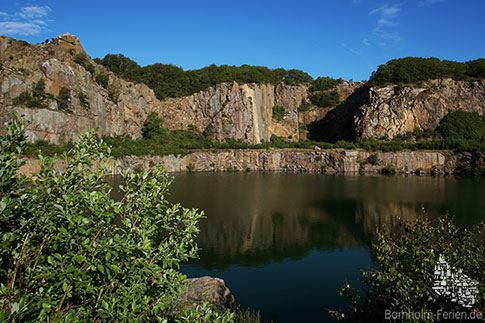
(35, 98)
(304, 106)
(404, 276)
(388, 170)
(324, 83)
(83, 60)
(373, 159)
(325, 99)
(63, 99)
(83, 100)
(278, 112)
(113, 93)
(102, 79)
(462, 125)
(71, 253)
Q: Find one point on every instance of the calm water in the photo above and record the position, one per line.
(284, 243)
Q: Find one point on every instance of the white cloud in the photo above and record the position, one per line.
(386, 21)
(29, 20)
(350, 49)
(19, 28)
(386, 15)
(427, 3)
(34, 12)
(366, 42)
(387, 36)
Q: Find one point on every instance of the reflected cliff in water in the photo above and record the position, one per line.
(254, 218)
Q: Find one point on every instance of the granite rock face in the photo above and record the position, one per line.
(24, 64)
(227, 110)
(329, 161)
(391, 111)
(237, 111)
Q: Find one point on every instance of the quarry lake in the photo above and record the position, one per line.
(285, 242)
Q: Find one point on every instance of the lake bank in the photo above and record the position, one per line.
(329, 161)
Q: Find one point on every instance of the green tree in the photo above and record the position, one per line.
(324, 83)
(462, 125)
(71, 253)
(404, 278)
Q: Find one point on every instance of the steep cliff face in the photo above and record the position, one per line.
(237, 111)
(119, 108)
(391, 112)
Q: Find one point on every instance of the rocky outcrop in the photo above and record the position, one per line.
(208, 289)
(227, 110)
(237, 111)
(330, 161)
(119, 108)
(392, 111)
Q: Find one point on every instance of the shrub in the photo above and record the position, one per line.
(404, 278)
(462, 125)
(63, 99)
(373, 159)
(83, 60)
(102, 79)
(71, 253)
(304, 106)
(113, 94)
(388, 170)
(325, 99)
(190, 167)
(324, 83)
(35, 98)
(278, 112)
(83, 100)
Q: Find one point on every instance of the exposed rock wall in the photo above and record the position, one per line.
(331, 161)
(24, 64)
(227, 110)
(391, 111)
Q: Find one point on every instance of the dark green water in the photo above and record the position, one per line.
(284, 243)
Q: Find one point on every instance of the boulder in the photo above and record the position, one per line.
(210, 289)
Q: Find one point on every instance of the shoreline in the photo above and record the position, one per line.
(324, 161)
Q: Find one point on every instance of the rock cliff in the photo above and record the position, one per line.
(329, 161)
(119, 108)
(392, 110)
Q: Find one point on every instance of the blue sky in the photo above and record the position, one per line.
(338, 38)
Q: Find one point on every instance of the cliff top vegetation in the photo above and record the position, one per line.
(414, 69)
(168, 80)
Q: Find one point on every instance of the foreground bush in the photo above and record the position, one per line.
(405, 264)
(71, 253)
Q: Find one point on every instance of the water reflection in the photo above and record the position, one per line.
(284, 243)
(256, 217)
